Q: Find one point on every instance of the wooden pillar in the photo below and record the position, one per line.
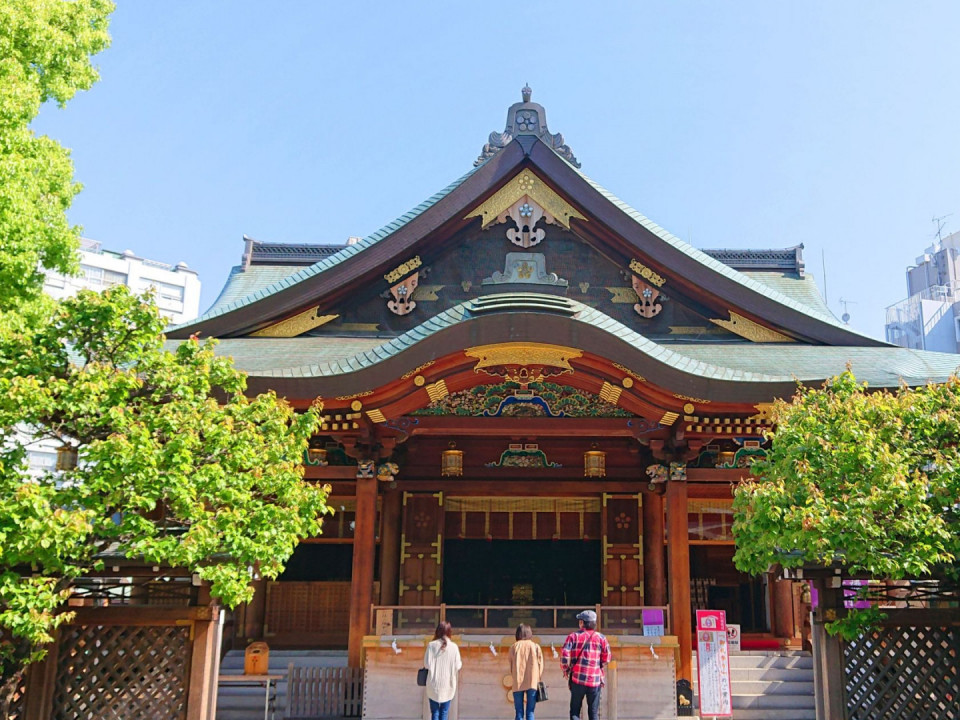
(783, 621)
(678, 554)
(654, 580)
(41, 683)
(203, 663)
(255, 613)
(390, 547)
(827, 653)
(361, 584)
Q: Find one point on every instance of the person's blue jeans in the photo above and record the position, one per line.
(531, 696)
(438, 711)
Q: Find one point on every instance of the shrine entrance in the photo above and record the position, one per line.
(522, 572)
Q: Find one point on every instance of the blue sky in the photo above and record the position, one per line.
(733, 124)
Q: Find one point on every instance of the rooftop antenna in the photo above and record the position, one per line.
(823, 264)
(940, 222)
(846, 315)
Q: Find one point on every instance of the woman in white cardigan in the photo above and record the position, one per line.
(442, 660)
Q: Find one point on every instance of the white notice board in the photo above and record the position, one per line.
(713, 664)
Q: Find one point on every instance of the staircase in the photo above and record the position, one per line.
(767, 685)
(246, 703)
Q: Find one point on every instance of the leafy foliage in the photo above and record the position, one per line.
(176, 465)
(867, 479)
(45, 50)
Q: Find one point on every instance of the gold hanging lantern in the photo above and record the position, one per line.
(451, 462)
(594, 462)
(66, 458)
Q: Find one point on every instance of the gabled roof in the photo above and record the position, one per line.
(609, 220)
(718, 371)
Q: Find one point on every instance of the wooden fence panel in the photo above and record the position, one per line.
(904, 672)
(124, 671)
(331, 692)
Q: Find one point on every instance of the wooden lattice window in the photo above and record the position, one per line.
(122, 671)
(903, 672)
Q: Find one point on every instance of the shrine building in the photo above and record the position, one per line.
(535, 400)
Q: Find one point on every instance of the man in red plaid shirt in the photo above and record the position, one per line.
(585, 653)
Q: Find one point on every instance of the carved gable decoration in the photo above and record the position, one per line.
(296, 325)
(526, 200)
(523, 363)
(525, 268)
(646, 284)
(403, 283)
(538, 399)
(744, 327)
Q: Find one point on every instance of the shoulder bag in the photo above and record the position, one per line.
(541, 692)
(422, 677)
(574, 663)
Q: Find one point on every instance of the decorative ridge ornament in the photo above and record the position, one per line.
(296, 325)
(526, 186)
(526, 118)
(746, 328)
(402, 290)
(524, 355)
(407, 267)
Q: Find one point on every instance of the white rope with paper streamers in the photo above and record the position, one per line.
(395, 648)
(493, 649)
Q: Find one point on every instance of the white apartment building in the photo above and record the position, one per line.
(929, 318)
(176, 287)
(176, 290)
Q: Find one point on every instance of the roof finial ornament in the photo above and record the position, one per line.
(526, 118)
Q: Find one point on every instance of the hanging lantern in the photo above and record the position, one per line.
(451, 462)
(66, 458)
(594, 462)
(316, 456)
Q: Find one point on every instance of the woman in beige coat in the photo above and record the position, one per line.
(526, 669)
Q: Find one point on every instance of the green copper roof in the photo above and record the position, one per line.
(737, 362)
(220, 308)
(243, 283)
(713, 264)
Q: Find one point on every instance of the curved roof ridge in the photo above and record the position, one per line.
(710, 262)
(325, 264)
(584, 314)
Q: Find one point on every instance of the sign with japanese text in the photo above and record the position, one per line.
(733, 638)
(713, 664)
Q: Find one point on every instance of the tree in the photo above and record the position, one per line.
(45, 50)
(867, 479)
(175, 465)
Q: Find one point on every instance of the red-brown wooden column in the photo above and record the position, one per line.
(678, 555)
(654, 580)
(390, 547)
(361, 585)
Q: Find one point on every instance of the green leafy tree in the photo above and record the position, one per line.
(45, 50)
(868, 479)
(176, 466)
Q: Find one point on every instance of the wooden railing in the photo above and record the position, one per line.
(406, 619)
(323, 692)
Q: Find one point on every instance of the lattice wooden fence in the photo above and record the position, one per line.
(122, 671)
(19, 704)
(907, 673)
(331, 692)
